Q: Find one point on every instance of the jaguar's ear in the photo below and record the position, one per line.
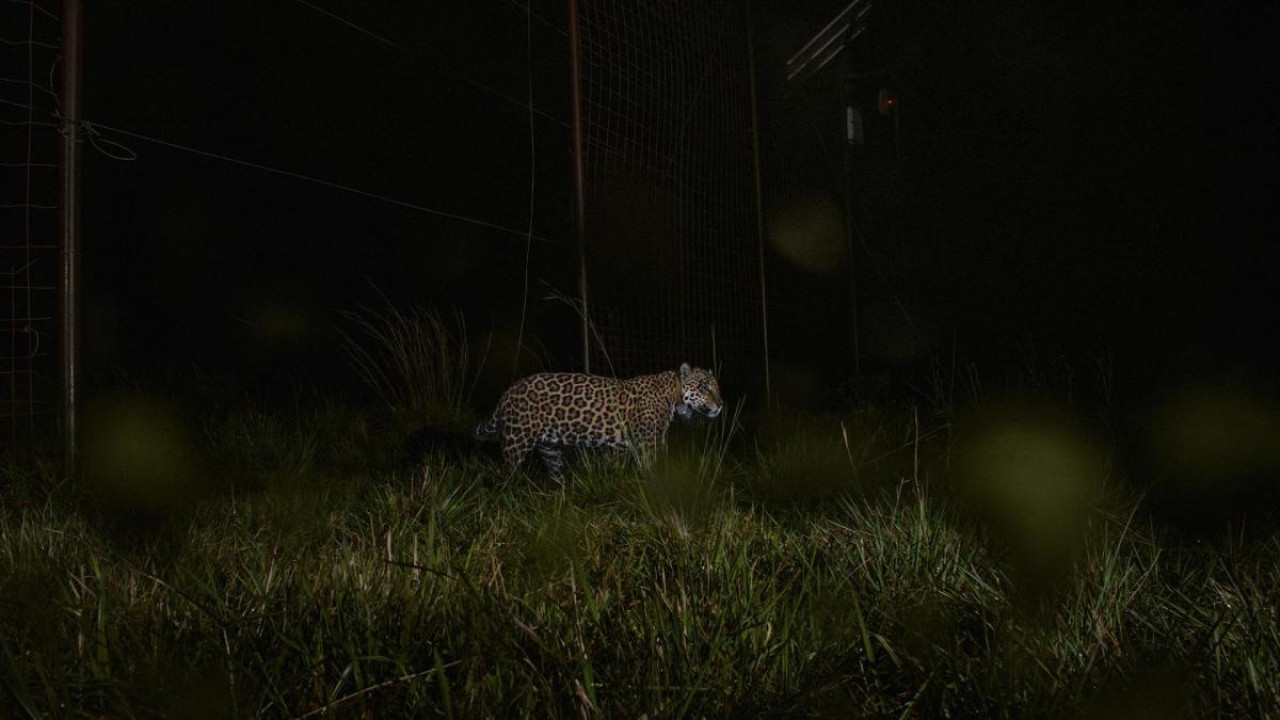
(685, 371)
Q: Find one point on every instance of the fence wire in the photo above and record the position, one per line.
(671, 250)
(29, 145)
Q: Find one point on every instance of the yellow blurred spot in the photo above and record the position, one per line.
(137, 452)
(1035, 483)
(553, 546)
(1211, 432)
(810, 233)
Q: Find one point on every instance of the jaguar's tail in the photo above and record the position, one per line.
(487, 430)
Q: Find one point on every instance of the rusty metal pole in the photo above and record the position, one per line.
(579, 181)
(69, 229)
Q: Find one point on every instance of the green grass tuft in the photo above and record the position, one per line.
(832, 570)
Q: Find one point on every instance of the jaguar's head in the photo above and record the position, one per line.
(699, 392)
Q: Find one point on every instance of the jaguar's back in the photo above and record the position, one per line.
(551, 411)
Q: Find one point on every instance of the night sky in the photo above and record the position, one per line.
(1081, 177)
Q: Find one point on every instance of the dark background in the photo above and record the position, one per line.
(194, 259)
(1082, 179)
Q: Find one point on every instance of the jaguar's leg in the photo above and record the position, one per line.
(514, 449)
(553, 458)
(644, 448)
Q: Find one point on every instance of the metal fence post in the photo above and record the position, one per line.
(579, 180)
(69, 229)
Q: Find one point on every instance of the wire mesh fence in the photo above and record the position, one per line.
(434, 134)
(673, 263)
(672, 260)
(29, 144)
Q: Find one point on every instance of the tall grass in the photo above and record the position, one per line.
(415, 362)
(453, 590)
(879, 563)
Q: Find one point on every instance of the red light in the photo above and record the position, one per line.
(887, 102)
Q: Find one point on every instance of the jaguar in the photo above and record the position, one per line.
(550, 412)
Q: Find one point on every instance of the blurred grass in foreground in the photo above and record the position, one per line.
(828, 567)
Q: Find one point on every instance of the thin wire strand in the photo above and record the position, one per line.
(32, 43)
(26, 213)
(124, 153)
(436, 68)
(528, 11)
(17, 81)
(16, 104)
(349, 24)
(34, 6)
(533, 166)
(498, 94)
(93, 127)
(110, 148)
